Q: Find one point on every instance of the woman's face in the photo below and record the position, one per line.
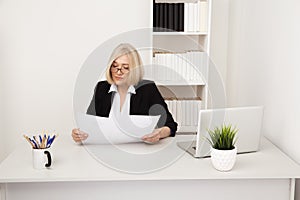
(120, 70)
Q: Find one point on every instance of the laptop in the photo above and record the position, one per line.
(248, 121)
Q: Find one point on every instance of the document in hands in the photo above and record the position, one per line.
(124, 129)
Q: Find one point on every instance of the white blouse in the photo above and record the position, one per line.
(115, 107)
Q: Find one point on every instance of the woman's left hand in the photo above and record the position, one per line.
(157, 134)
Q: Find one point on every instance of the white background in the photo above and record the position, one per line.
(255, 44)
(43, 46)
(263, 66)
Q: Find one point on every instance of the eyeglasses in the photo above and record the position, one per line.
(115, 69)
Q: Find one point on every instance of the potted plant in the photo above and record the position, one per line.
(223, 152)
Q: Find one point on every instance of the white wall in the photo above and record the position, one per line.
(219, 36)
(43, 45)
(1, 114)
(263, 66)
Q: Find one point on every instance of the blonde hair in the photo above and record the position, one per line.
(136, 68)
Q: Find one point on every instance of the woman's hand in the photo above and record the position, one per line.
(79, 135)
(157, 134)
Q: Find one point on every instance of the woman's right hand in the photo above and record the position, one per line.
(79, 135)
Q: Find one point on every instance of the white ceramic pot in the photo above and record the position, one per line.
(223, 160)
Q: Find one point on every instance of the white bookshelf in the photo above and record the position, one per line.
(179, 33)
(181, 42)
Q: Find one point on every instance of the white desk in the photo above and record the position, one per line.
(267, 174)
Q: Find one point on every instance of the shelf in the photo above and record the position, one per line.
(179, 83)
(182, 98)
(178, 33)
(186, 34)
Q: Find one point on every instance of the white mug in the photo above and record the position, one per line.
(41, 158)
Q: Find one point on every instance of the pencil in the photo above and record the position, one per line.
(42, 143)
(26, 137)
(37, 142)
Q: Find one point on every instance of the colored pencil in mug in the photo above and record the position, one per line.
(26, 137)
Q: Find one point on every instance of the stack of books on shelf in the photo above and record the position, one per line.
(185, 111)
(168, 17)
(188, 67)
(180, 17)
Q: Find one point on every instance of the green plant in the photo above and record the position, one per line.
(222, 138)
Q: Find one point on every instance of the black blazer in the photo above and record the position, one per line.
(146, 101)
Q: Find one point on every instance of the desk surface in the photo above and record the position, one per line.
(73, 162)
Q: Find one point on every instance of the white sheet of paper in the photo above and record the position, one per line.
(124, 129)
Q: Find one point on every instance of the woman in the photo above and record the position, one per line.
(125, 92)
